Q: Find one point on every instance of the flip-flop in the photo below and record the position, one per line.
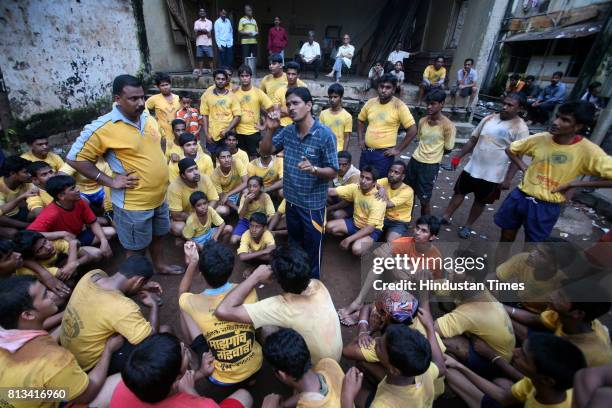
(173, 270)
(464, 232)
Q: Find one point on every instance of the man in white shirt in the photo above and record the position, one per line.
(310, 54)
(344, 57)
(224, 36)
(398, 55)
(203, 28)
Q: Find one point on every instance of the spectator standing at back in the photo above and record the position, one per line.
(247, 27)
(551, 96)
(224, 36)
(344, 57)
(277, 39)
(203, 29)
(310, 54)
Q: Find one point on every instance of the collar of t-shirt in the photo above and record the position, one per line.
(217, 291)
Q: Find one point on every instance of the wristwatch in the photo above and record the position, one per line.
(314, 170)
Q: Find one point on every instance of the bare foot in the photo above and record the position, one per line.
(170, 270)
(349, 315)
(330, 75)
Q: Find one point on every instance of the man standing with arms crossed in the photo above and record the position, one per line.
(129, 140)
(203, 28)
(247, 27)
(310, 163)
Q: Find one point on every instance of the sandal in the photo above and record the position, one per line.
(464, 232)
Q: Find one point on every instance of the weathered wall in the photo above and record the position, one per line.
(438, 23)
(64, 54)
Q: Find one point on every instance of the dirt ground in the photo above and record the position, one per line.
(341, 271)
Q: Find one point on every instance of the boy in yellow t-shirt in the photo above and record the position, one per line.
(270, 169)
(229, 178)
(15, 189)
(434, 78)
(559, 158)
(436, 136)
(255, 200)
(337, 118)
(231, 142)
(399, 198)
(292, 70)
(40, 150)
(365, 227)
(278, 224)
(276, 78)
(237, 353)
(257, 243)
(204, 224)
(191, 149)
(164, 106)
(40, 172)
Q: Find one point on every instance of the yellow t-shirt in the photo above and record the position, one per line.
(221, 110)
(52, 159)
(61, 247)
(433, 140)
(553, 164)
(367, 209)
(87, 324)
(282, 207)
(340, 124)
(6, 195)
(402, 199)
(421, 394)
(165, 113)
(85, 184)
(434, 76)
(334, 376)
(280, 100)
(41, 363)
(248, 24)
(384, 121)
(595, 345)
(269, 84)
(227, 182)
(179, 192)
(263, 204)
(251, 104)
(525, 392)
(237, 353)
(248, 244)
(203, 161)
(126, 148)
(310, 313)
(240, 156)
(41, 200)
(194, 227)
(270, 174)
(484, 318)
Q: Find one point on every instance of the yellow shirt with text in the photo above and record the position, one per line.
(270, 174)
(269, 84)
(421, 394)
(433, 140)
(367, 209)
(194, 227)
(402, 199)
(52, 159)
(434, 75)
(251, 104)
(384, 121)
(221, 109)
(340, 124)
(280, 100)
(248, 244)
(224, 183)
(179, 192)
(165, 112)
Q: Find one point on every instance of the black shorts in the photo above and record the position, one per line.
(486, 192)
(249, 143)
(421, 177)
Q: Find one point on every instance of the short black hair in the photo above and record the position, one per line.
(15, 298)
(335, 89)
(515, 76)
(431, 221)
(34, 136)
(184, 94)
(259, 218)
(519, 97)
(558, 73)
(388, 78)
(185, 138)
(231, 133)
(6, 247)
(275, 58)
(439, 57)
(258, 179)
(162, 77)
(14, 164)
(219, 71)
(579, 290)
(197, 196)
(469, 59)
(292, 65)
(291, 266)
(245, 69)
(301, 92)
(345, 154)
(287, 351)
(372, 170)
(24, 242)
(399, 163)
(35, 167)
(153, 366)
(582, 111)
(216, 263)
(436, 96)
(122, 81)
(177, 121)
(530, 77)
(185, 163)
(561, 250)
(555, 357)
(224, 148)
(56, 185)
(136, 265)
(408, 350)
(594, 85)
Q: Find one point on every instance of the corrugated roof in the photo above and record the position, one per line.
(574, 31)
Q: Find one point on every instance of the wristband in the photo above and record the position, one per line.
(455, 161)
(98, 176)
(494, 359)
(512, 312)
(363, 322)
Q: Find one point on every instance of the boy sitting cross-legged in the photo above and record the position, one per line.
(255, 200)
(257, 243)
(204, 223)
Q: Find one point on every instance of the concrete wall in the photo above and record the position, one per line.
(64, 54)
(438, 23)
(555, 5)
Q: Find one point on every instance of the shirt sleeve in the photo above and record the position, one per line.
(266, 102)
(450, 132)
(240, 168)
(133, 326)
(268, 312)
(405, 116)
(348, 124)
(175, 203)
(599, 164)
(188, 229)
(347, 193)
(453, 324)
(521, 389)
(405, 196)
(70, 377)
(203, 105)
(508, 269)
(32, 202)
(210, 190)
(150, 104)
(244, 244)
(376, 215)
(236, 109)
(241, 24)
(269, 206)
(363, 113)
(329, 151)
(89, 146)
(525, 146)
(215, 218)
(268, 239)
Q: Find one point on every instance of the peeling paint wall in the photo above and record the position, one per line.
(64, 54)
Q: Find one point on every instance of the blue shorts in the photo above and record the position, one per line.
(86, 237)
(204, 51)
(234, 198)
(352, 229)
(377, 159)
(205, 237)
(538, 217)
(95, 199)
(136, 228)
(398, 227)
(241, 227)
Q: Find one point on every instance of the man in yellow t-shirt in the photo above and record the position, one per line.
(180, 190)
(190, 148)
(229, 178)
(559, 158)
(220, 110)
(337, 118)
(40, 150)
(436, 137)
(365, 227)
(316, 386)
(399, 199)
(30, 358)
(305, 304)
(384, 115)
(276, 78)
(248, 30)
(87, 324)
(40, 172)
(270, 169)
(257, 243)
(231, 141)
(434, 78)
(292, 71)
(252, 102)
(237, 353)
(15, 189)
(164, 106)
